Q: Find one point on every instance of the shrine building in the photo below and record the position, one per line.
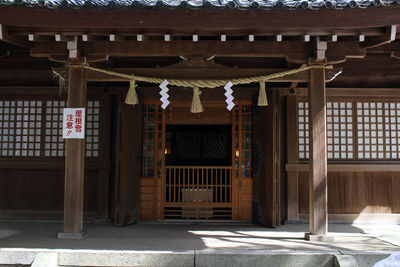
(258, 111)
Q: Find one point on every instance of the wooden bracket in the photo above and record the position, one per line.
(389, 36)
(5, 37)
(320, 48)
(395, 54)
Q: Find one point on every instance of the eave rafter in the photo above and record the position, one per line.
(204, 19)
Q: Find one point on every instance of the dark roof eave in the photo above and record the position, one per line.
(196, 5)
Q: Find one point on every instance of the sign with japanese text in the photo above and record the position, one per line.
(74, 123)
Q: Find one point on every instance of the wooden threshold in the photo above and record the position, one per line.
(360, 167)
(41, 214)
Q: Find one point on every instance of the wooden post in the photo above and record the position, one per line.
(318, 193)
(292, 150)
(74, 162)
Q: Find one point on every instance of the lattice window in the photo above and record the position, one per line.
(246, 140)
(236, 142)
(376, 126)
(54, 143)
(378, 130)
(303, 130)
(243, 125)
(339, 116)
(92, 128)
(23, 122)
(20, 127)
(151, 141)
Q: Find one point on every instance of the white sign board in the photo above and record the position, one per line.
(74, 123)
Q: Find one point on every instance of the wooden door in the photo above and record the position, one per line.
(242, 165)
(127, 178)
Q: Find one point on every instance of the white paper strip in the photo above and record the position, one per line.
(74, 123)
(164, 94)
(229, 97)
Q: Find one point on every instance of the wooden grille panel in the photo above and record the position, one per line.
(33, 128)
(378, 130)
(54, 143)
(360, 130)
(198, 192)
(20, 128)
(92, 128)
(339, 117)
(303, 130)
(152, 141)
(243, 129)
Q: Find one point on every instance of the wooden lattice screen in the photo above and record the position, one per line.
(356, 130)
(33, 128)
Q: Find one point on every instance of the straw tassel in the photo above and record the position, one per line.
(131, 97)
(262, 95)
(62, 82)
(196, 103)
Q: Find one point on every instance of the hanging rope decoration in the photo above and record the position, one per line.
(262, 101)
(196, 106)
(262, 95)
(131, 97)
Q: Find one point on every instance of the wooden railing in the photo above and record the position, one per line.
(199, 186)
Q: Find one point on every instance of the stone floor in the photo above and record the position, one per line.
(216, 238)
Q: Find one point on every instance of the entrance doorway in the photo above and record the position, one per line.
(198, 172)
(196, 166)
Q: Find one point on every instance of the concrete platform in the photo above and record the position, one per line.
(194, 244)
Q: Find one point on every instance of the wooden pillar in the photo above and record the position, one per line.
(318, 193)
(292, 150)
(74, 162)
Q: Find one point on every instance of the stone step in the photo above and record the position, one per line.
(115, 258)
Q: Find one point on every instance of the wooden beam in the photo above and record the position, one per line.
(335, 52)
(204, 19)
(5, 37)
(74, 162)
(318, 192)
(376, 93)
(153, 48)
(387, 48)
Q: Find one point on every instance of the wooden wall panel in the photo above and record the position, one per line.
(357, 192)
(147, 199)
(41, 190)
(303, 192)
(380, 193)
(396, 192)
(246, 198)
